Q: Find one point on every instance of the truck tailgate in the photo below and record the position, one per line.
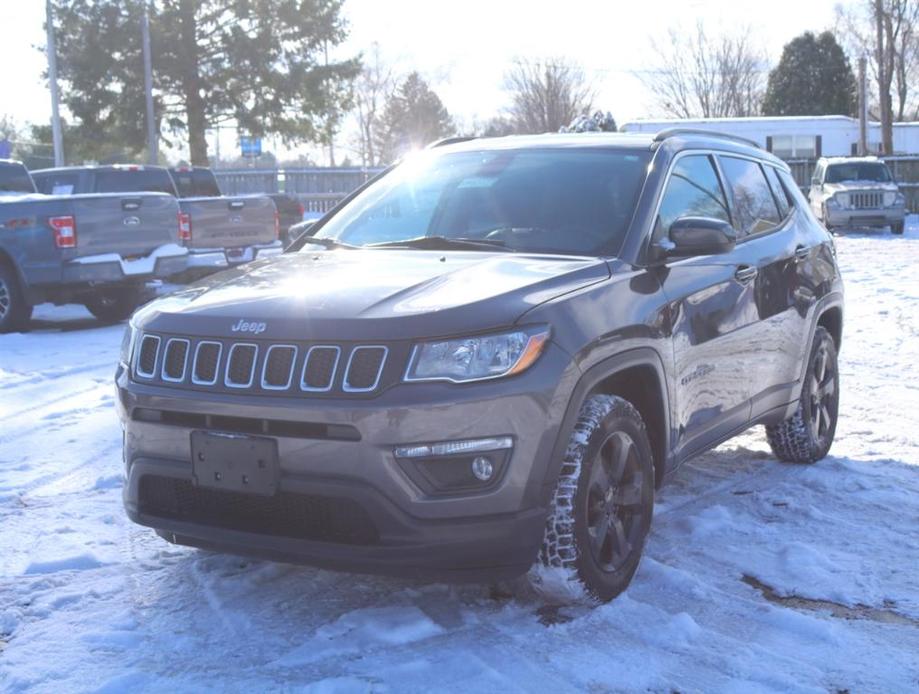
(131, 224)
(230, 222)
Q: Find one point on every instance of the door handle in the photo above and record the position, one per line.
(802, 253)
(745, 274)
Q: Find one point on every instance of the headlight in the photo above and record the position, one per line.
(477, 358)
(127, 343)
(834, 201)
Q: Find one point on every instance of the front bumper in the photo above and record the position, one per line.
(490, 533)
(880, 217)
(217, 258)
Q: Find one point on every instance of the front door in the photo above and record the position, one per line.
(712, 314)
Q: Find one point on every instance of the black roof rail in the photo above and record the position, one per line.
(674, 132)
(451, 141)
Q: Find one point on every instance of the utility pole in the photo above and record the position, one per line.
(57, 136)
(148, 87)
(862, 107)
(329, 127)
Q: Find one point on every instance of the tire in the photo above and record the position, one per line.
(897, 227)
(15, 312)
(114, 305)
(600, 513)
(807, 435)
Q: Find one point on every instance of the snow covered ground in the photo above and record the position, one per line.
(758, 576)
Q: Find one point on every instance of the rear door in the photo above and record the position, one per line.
(230, 222)
(770, 243)
(129, 225)
(713, 313)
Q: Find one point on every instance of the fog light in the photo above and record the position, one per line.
(482, 468)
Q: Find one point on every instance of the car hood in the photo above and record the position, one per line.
(370, 294)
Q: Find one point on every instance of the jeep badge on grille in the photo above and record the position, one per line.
(243, 326)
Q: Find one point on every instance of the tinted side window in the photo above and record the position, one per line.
(754, 207)
(781, 195)
(692, 191)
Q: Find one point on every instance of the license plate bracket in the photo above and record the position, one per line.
(235, 462)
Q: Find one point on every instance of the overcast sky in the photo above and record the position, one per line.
(464, 48)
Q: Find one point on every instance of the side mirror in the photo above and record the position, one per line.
(691, 236)
(300, 229)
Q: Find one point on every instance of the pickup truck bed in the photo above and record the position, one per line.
(99, 250)
(218, 231)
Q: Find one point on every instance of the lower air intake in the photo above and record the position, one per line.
(303, 516)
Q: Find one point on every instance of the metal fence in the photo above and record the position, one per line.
(319, 189)
(904, 168)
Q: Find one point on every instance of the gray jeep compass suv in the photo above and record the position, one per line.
(487, 358)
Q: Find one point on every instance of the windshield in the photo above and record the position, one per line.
(15, 179)
(134, 181)
(195, 183)
(858, 171)
(573, 201)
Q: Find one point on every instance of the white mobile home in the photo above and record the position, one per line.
(795, 137)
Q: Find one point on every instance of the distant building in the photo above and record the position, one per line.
(795, 137)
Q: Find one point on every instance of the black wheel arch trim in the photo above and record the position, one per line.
(587, 383)
(833, 300)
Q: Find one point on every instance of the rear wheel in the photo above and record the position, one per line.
(897, 227)
(601, 511)
(807, 435)
(15, 312)
(114, 305)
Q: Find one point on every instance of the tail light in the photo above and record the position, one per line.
(65, 231)
(184, 226)
(277, 225)
(302, 208)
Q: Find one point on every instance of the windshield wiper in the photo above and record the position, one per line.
(326, 242)
(442, 243)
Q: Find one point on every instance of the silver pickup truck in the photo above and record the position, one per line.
(219, 232)
(98, 250)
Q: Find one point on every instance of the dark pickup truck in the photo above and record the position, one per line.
(219, 232)
(98, 250)
(200, 181)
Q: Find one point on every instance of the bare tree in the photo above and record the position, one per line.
(546, 95)
(887, 33)
(372, 88)
(709, 77)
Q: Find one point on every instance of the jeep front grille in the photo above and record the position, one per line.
(319, 368)
(867, 199)
(145, 367)
(207, 361)
(364, 368)
(262, 367)
(241, 365)
(175, 359)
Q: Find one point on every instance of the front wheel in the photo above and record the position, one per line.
(600, 514)
(114, 305)
(807, 435)
(898, 227)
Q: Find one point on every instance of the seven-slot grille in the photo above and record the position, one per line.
(867, 199)
(281, 367)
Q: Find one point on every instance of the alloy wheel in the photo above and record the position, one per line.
(614, 501)
(5, 299)
(823, 392)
